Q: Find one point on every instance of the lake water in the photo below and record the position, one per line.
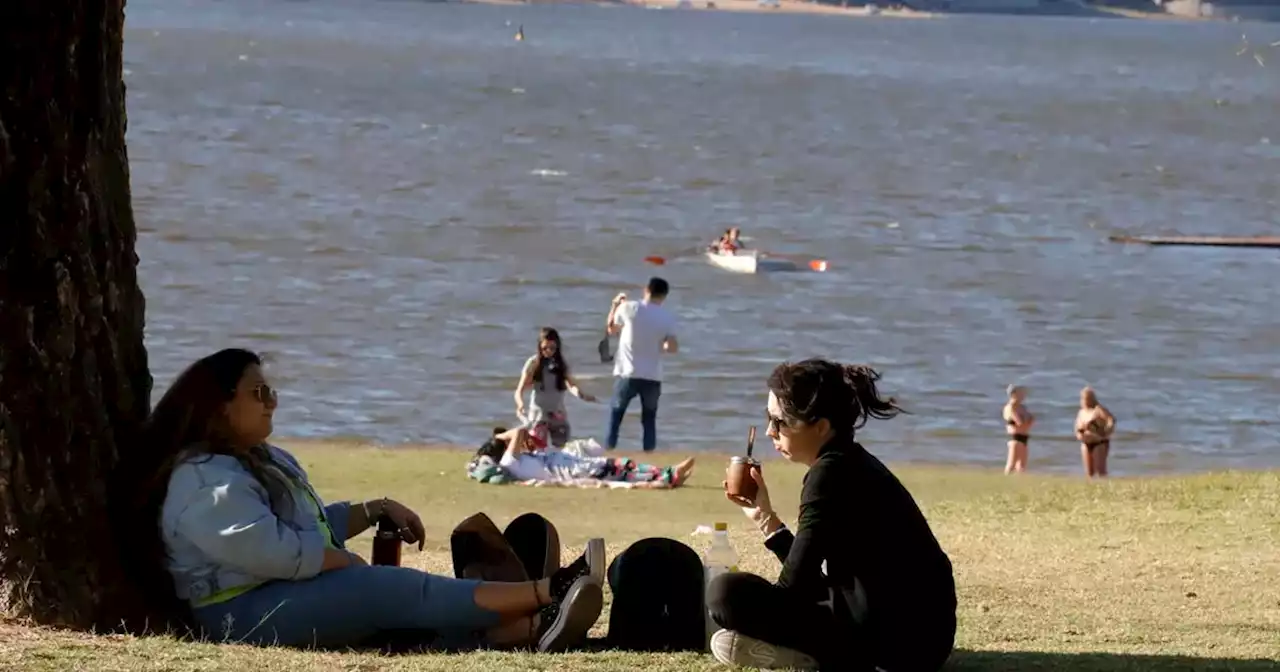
(390, 198)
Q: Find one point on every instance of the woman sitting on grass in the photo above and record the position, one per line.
(260, 559)
(864, 584)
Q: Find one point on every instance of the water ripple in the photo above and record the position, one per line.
(390, 199)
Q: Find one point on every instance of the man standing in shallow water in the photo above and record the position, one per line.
(1094, 427)
(647, 330)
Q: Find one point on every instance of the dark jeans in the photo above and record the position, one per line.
(624, 390)
(752, 606)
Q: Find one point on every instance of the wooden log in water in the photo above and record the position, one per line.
(1207, 241)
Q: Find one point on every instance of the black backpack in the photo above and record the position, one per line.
(658, 602)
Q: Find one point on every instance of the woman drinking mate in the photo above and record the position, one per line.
(864, 584)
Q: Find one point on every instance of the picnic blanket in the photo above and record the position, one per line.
(484, 469)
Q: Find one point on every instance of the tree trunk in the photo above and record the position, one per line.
(74, 385)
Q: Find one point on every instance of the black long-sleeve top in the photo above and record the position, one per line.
(857, 517)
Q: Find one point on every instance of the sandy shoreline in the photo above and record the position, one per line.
(806, 7)
(319, 448)
(783, 6)
(675, 453)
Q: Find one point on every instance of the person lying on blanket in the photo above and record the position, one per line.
(527, 456)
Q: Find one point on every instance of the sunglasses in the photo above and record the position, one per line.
(773, 423)
(265, 394)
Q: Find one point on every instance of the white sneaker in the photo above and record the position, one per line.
(596, 560)
(732, 648)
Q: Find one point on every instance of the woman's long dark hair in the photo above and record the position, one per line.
(844, 395)
(189, 421)
(551, 335)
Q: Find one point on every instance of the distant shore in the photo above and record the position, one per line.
(782, 6)
(805, 7)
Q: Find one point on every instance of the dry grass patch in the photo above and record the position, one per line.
(1054, 573)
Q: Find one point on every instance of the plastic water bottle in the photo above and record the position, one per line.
(718, 559)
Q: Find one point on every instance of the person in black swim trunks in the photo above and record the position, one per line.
(1094, 427)
(1017, 424)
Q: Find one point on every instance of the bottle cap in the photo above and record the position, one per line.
(722, 527)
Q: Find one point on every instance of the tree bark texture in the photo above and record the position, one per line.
(74, 384)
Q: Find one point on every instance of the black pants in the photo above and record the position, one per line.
(752, 606)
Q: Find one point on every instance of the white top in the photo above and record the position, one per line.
(526, 467)
(553, 465)
(644, 327)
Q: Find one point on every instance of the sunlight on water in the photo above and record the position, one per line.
(391, 198)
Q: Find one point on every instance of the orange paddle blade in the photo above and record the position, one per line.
(657, 261)
(818, 265)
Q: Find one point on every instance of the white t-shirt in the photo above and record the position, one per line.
(567, 466)
(552, 465)
(644, 327)
(526, 467)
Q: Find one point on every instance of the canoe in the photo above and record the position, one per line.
(1208, 241)
(751, 261)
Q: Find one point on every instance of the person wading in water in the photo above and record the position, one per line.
(1094, 427)
(1017, 424)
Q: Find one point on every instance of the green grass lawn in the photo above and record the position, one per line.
(1054, 573)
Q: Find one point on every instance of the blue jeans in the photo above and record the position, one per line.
(624, 390)
(349, 606)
